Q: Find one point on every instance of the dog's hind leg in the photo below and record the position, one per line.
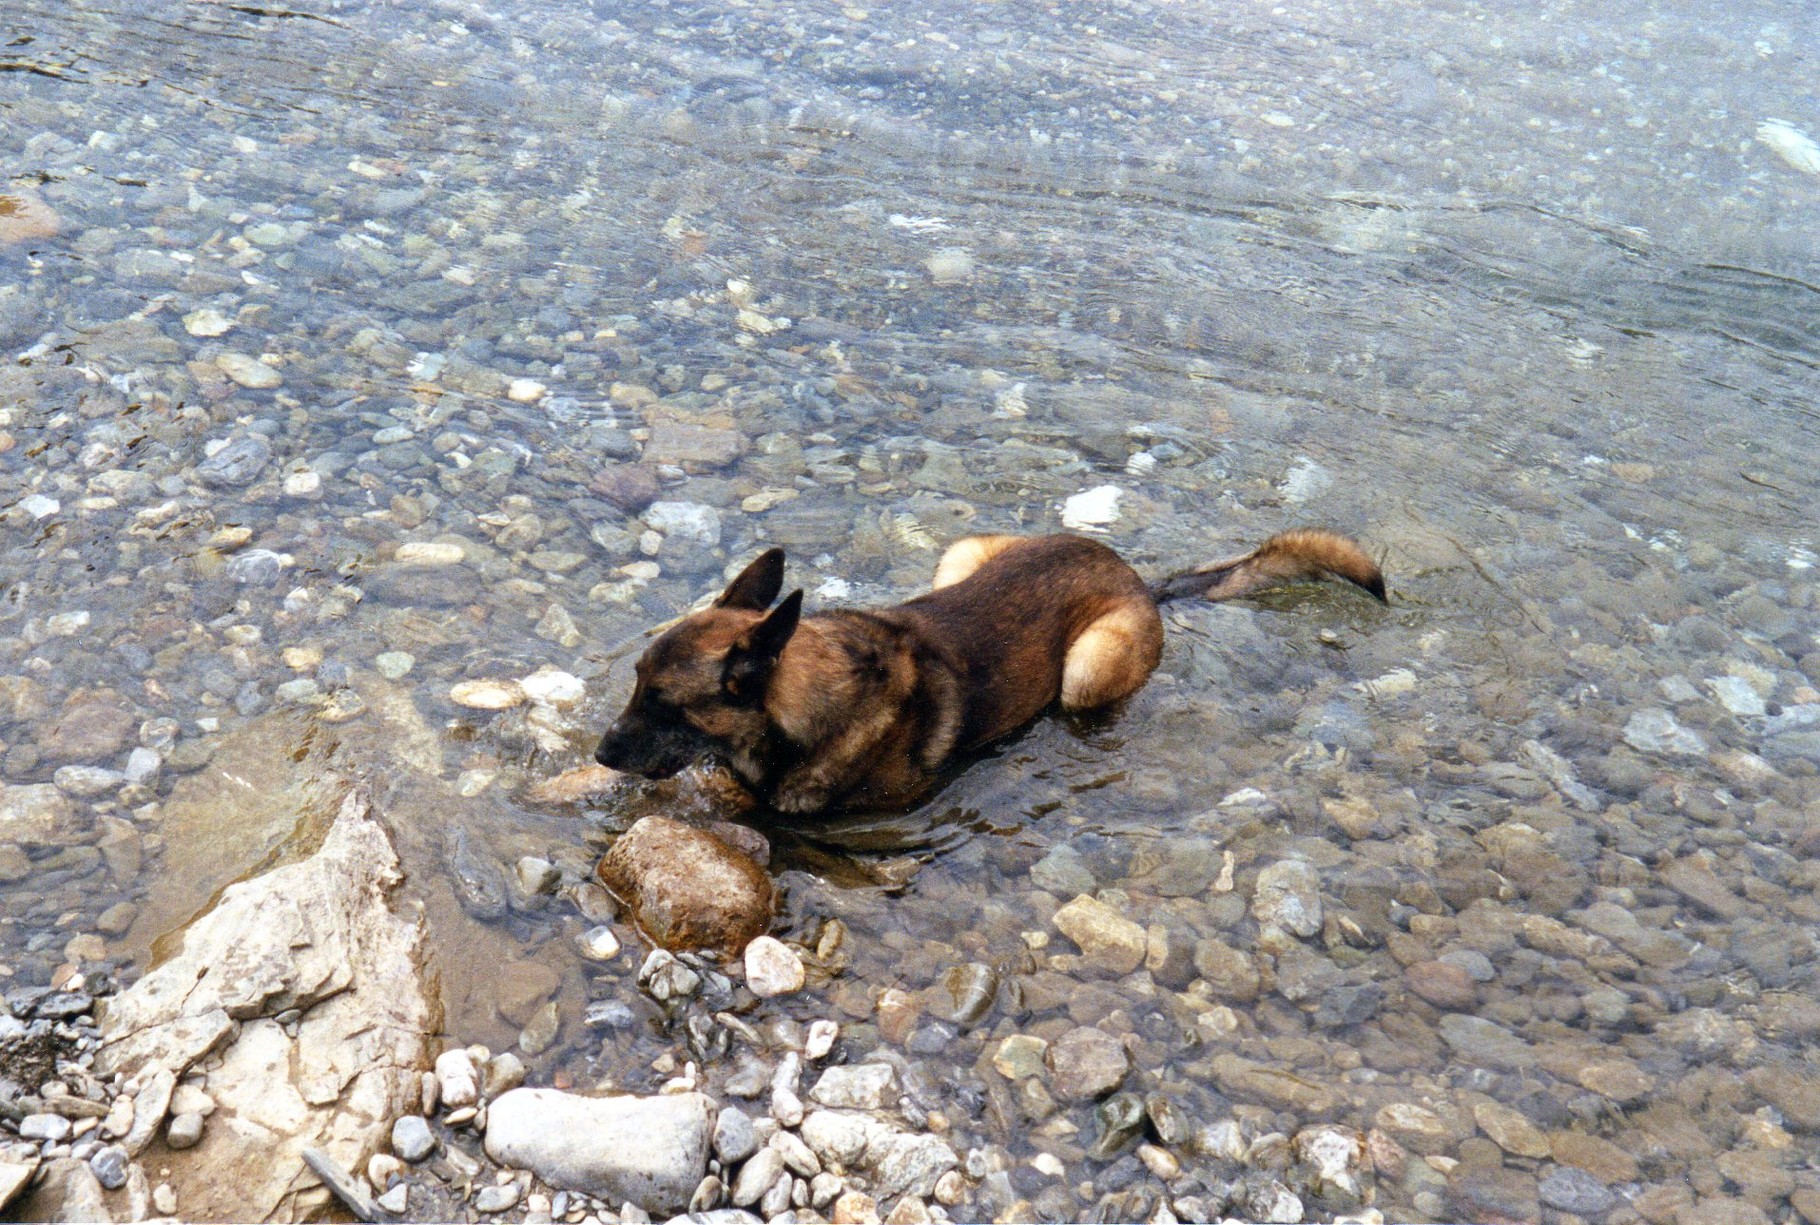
(965, 556)
(1113, 656)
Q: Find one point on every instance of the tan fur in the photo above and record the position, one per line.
(963, 557)
(1113, 656)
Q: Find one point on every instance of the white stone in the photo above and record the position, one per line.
(526, 391)
(207, 322)
(457, 1079)
(772, 968)
(553, 687)
(429, 553)
(304, 484)
(1737, 695)
(821, 1039)
(598, 944)
(1092, 511)
(860, 1086)
(38, 506)
(687, 520)
(248, 371)
(487, 695)
(652, 1151)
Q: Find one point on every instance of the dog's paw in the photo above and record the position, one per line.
(800, 796)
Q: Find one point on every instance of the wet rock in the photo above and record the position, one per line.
(315, 938)
(1510, 1130)
(1653, 730)
(652, 1151)
(240, 461)
(862, 1086)
(1442, 984)
(1335, 1155)
(1598, 1156)
(1571, 1189)
(573, 786)
(1288, 897)
(1232, 975)
(1250, 1081)
(1063, 872)
(1493, 1192)
(1120, 1118)
(772, 968)
(35, 815)
(687, 888)
(25, 217)
(1086, 1063)
(93, 725)
(1106, 938)
(756, 1177)
(909, 1164)
(486, 694)
(965, 993)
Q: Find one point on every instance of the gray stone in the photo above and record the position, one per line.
(1289, 897)
(734, 1137)
(756, 1177)
(650, 1150)
(185, 1130)
(1654, 730)
(110, 1165)
(51, 1128)
(238, 463)
(1572, 1189)
(412, 1139)
(496, 1198)
(1063, 872)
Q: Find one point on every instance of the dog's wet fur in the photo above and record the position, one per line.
(861, 709)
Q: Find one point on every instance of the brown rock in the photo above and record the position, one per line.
(1106, 938)
(1795, 1093)
(1807, 1202)
(1598, 1157)
(1493, 1193)
(521, 987)
(24, 217)
(630, 487)
(688, 889)
(1086, 1063)
(93, 725)
(573, 786)
(1722, 1210)
(1256, 1082)
(1232, 975)
(1510, 1130)
(1694, 880)
(898, 1013)
(1662, 1203)
(1442, 984)
(1619, 1079)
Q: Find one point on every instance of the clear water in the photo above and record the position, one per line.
(1525, 300)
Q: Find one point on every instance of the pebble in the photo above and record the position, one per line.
(412, 1139)
(394, 665)
(526, 391)
(862, 1086)
(1086, 1063)
(496, 1198)
(1654, 730)
(1106, 938)
(110, 1164)
(487, 695)
(429, 553)
(184, 1130)
(207, 321)
(598, 943)
(734, 1137)
(772, 968)
(1093, 510)
(820, 1039)
(248, 371)
(1288, 897)
(457, 1078)
(51, 1128)
(553, 687)
(397, 1200)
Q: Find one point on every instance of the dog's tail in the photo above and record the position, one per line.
(1287, 557)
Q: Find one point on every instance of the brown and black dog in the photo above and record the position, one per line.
(863, 708)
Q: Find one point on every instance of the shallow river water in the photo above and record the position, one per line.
(354, 350)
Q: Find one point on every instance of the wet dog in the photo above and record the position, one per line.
(863, 708)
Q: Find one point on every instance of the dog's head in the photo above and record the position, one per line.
(701, 686)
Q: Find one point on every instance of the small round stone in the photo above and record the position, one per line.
(412, 1139)
(486, 695)
(772, 968)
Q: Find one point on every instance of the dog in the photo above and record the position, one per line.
(863, 709)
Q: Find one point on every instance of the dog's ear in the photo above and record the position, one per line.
(757, 585)
(754, 653)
